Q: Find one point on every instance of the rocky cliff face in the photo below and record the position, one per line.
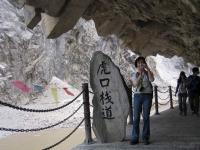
(149, 27)
(28, 56)
(167, 27)
(81, 42)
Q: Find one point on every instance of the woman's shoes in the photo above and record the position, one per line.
(146, 142)
(134, 142)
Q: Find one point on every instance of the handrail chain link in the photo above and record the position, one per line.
(164, 103)
(163, 98)
(66, 137)
(39, 110)
(39, 129)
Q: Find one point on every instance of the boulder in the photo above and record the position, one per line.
(110, 101)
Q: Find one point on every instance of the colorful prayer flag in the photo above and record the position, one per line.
(68, 92)
(54, 93)
(22, 86)
(38, 88)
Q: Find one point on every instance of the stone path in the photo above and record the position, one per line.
(169, 131)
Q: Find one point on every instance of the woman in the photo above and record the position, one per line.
(142, 100)
(182, 93)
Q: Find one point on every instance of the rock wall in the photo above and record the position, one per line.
(150, 27)
(81, 42)
(166, 27)
(28, 56)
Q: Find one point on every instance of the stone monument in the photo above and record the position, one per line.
(110, 101)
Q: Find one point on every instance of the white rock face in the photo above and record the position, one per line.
(81, 43)
(167, 70)
(30, 57)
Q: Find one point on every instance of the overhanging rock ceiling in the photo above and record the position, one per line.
(167, 27)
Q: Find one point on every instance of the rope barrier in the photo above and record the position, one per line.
(39, 129)
(39, 110)
(62, 140)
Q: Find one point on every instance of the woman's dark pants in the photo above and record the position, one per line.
(141, 102)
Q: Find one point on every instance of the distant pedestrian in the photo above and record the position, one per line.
(181, 89)
(193, 85)
(142, 100)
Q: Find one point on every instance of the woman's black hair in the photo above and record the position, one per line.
(182, 73)
(139, 58)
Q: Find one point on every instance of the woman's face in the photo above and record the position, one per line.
(141, 64)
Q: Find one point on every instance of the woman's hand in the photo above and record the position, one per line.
(150, 74)
(146, 67)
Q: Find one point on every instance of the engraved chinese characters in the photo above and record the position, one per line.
(110, 99)
(105, 97)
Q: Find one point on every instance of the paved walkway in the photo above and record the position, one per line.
(169, 131)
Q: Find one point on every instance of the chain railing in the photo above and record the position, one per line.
(91, 92)
(86, 104)
(170, 95)
(168, 99)
(163, 99)
(160, 91)
(43, 128)
(166, 103)
(39, 110)
(65, 138)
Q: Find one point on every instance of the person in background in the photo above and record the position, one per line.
(193, 85)
(142, 100)
(181, 89)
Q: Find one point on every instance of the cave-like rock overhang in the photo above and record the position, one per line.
(167, 27)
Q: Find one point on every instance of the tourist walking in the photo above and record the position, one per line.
(181, 89)
(193, 85)
(142, 100)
